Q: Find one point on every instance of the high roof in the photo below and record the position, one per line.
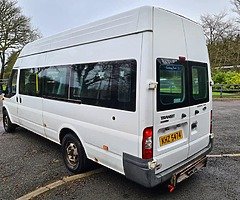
(130, 22)
(134, 21)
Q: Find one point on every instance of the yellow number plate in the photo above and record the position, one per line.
(170, 138)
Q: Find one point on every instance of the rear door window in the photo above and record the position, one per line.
(172, 87)
(199, 82)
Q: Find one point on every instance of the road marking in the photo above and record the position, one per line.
(58, 183)
(224, 155)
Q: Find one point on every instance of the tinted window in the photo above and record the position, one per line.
(171, 76)
(125, 83)
(199, 77)
(106, 84)
(12, 84)
(56, 82)
(30, 81)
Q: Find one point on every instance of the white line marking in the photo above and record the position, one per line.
(58, 183)
(224, 155)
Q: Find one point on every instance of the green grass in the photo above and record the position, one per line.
(226, 95)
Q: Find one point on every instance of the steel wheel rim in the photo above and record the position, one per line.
(72, 154)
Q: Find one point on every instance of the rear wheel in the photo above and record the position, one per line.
(73, 154)
(7, 124)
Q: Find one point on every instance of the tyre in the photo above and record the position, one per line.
(7, 124)
(74, 155)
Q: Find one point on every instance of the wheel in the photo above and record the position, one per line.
(73, 154)
(7, 124)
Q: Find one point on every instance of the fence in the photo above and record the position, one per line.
(226, 90)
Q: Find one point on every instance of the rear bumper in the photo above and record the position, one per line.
(137, 169)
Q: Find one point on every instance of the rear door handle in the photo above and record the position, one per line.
(194, 125)
(184, 115)
(196, 112)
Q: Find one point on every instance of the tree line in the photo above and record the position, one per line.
(223, 37)
(15, 32)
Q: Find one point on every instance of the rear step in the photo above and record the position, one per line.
(186, 173)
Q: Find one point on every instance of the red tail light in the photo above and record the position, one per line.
(147, 143)
(211, 122)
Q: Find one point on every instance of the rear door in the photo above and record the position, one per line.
(171, 121)
(200, 109)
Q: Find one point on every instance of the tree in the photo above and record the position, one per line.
(10, 63)
(236, 4)
(15, 31)
(225, 53)
(217, 27)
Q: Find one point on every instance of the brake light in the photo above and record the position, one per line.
(147, 143)
(211, 122)
(182, 59)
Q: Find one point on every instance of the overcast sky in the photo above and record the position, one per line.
(53, 16)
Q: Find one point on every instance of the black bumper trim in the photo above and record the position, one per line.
(136, 169)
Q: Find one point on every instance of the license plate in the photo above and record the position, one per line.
(170, 138)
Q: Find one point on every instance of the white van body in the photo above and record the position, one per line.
(159, 48)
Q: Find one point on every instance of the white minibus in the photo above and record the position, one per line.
(131, 92)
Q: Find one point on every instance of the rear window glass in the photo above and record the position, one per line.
(171, 87)
(199, 82)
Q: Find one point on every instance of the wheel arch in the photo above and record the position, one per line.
(66, 130)
(4, 108)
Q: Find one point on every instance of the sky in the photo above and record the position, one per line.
(54, 16)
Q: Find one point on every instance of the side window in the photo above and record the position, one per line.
(92, 81)
(171, 76)
(12, 84)
(199, 76)
(56, 82)
(124, 83)
(105, 84)
(30, 82)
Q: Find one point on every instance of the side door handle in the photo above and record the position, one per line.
(20, 99)
(17, 99)
(196, 112)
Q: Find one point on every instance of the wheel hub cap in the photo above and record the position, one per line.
(72, 154)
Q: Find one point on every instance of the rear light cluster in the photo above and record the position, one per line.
(147, 143)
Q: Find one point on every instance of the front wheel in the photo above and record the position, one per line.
(7, 124)
(73, 154)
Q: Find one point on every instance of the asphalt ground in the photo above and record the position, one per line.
(28, 161)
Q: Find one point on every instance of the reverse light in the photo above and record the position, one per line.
(147, 143)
